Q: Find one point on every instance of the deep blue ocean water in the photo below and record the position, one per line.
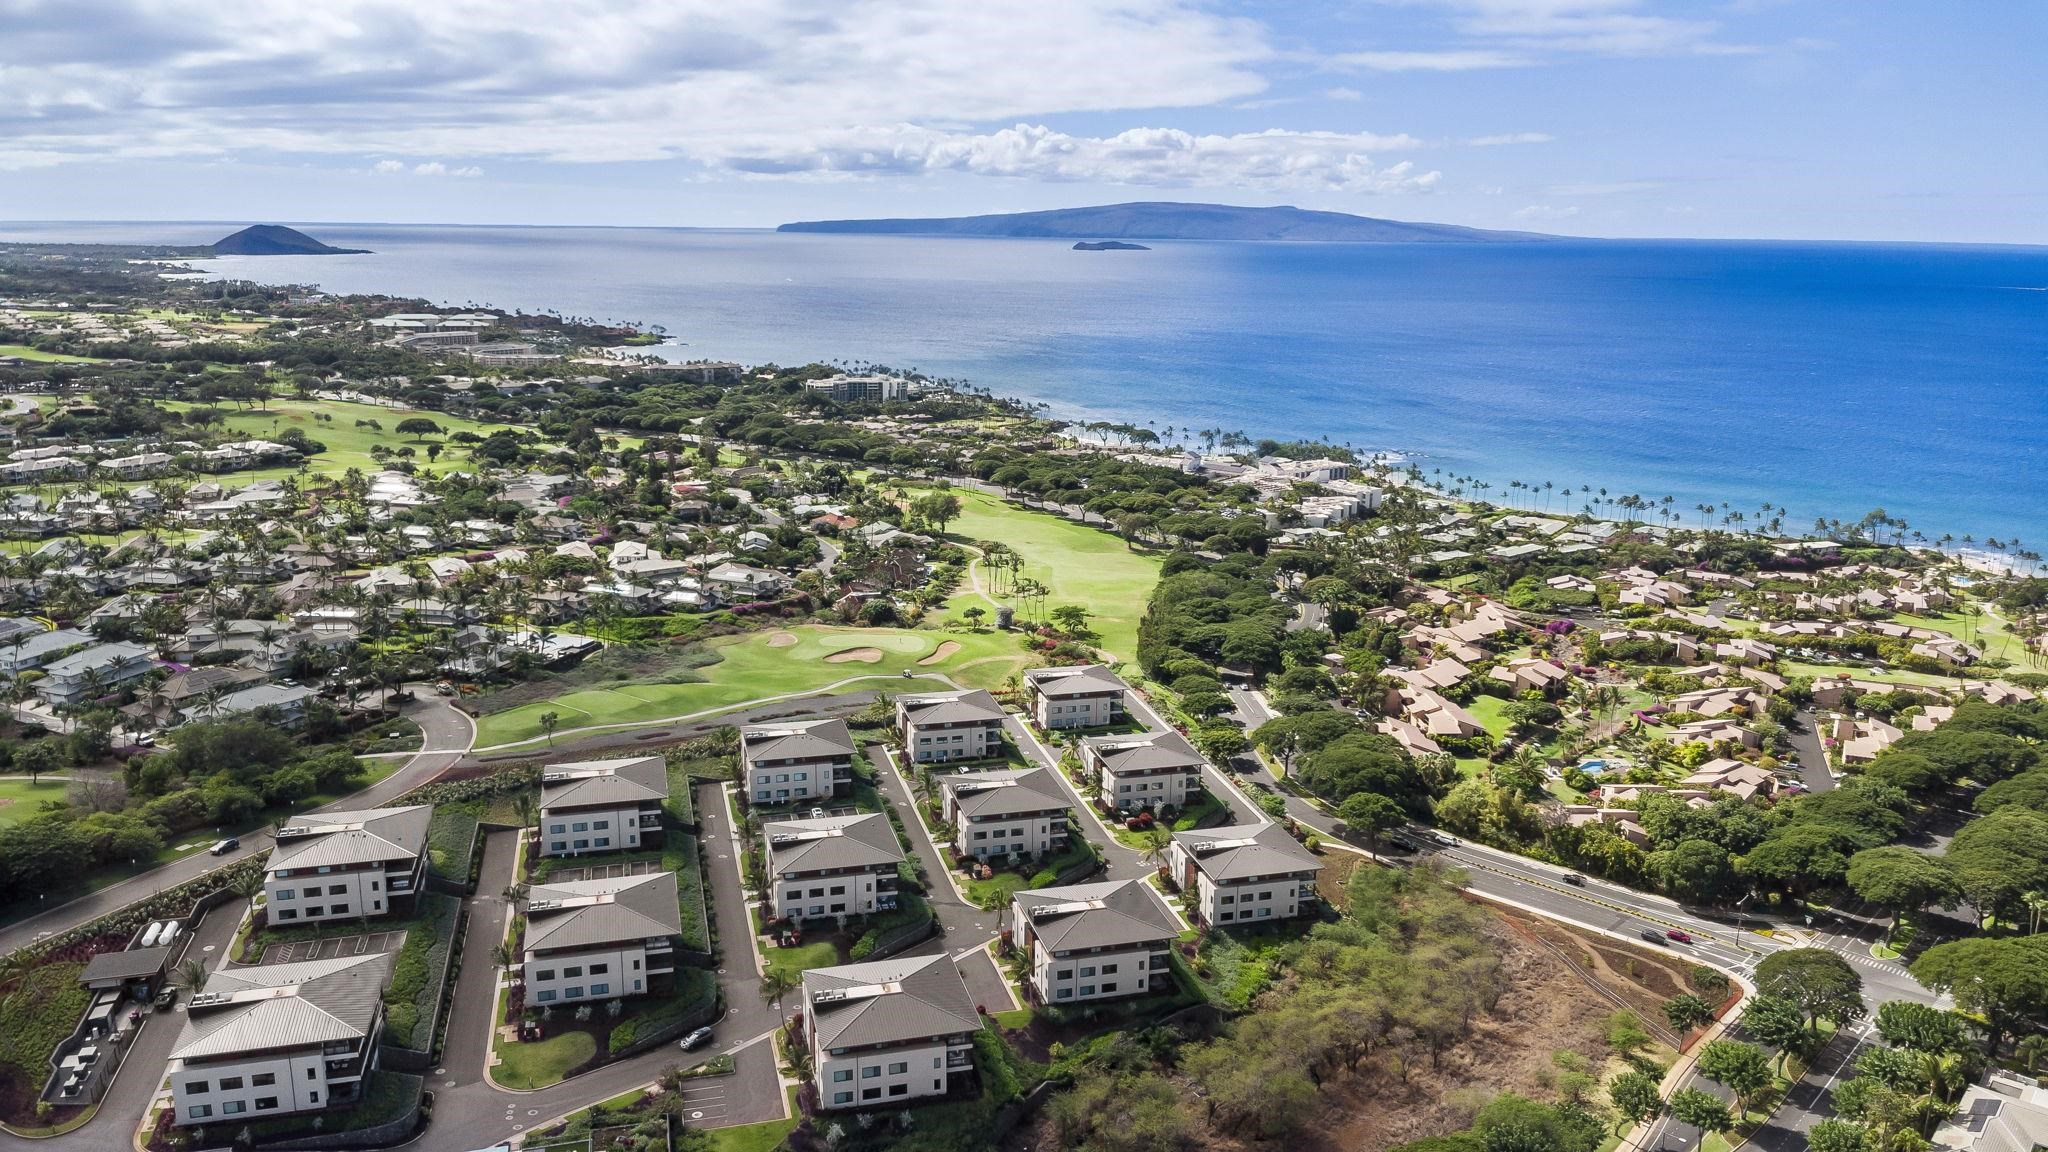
(1827, 379)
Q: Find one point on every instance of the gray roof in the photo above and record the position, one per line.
(611, 911)
(797, 740)
(859, 841)
(1111, 914)
(889, 1001)
(339, 839)
(274, 1006)
(1005, 793)
(133, 964)
(40, 644)
(1243, 850)
(1162, 749)
(251, 698)
(951, 707)
(1081, 680)
(97, 656)
(630, 780)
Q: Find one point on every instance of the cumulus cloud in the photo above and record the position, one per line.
(1156, 156)
(799, 88)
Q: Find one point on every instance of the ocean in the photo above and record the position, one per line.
(1826, 380)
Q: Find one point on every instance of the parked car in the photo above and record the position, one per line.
(1575, 880)
(696, 1040)
(1652, 935)
(166, 998)
(1678, 937)
(223, 847)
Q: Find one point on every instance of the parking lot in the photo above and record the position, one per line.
(704, 1101)
(604, 871)
(330, 947)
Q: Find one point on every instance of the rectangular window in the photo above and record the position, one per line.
(312, 1073)
(287, 893)
(230, 1083)
(842, 1075)
(580, 845)
(317, 910)
(557, 829)
(340, 909)
(580, 826)
(287, 914)
(558, 846)
(871, 1071)
(572, 972)
(262, 1079)
(871, 1093)
(604, 842)
(842, 1097)
(599, 969)
(899, 1089)
(1109, 987)
(572, 993)
(1109, 969)
(898, 1069)
(1087, 989)
(600, 989)
(546, 995)
(198, 1087)
(265, 1103)
(199, 1111)
(600, 825)
(233, 1108)
(544, 974)
(1064, 994)
(337, 889)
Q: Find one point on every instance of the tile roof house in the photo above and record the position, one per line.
(602, 805)
(1093, 941)
(889, 1030)
(1002, 813)
(599, 939)
(346, 865)
(942, 726)
(1149, 771)
(1087, 696)
(1244, 873)
(278, 1039)
(795, 762)
(832, 866)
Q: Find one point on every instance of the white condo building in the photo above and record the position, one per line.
(888, 1032)
(346, 865)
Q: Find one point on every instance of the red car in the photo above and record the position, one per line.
(1680, 937)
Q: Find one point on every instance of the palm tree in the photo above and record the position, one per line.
(189, 976)
(2032, 1051)
(1156, 843)
(776, 983)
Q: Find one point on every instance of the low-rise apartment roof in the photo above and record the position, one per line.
(889, 1002)
(796, 740)
(951, 707)
(1004, 792)
(1162, 749)
(1239, 851)
(1111, 914)
(274, 1006)
(585, 783)
(858, 841)
(616, 910)
(339, 839)
(1081, 680)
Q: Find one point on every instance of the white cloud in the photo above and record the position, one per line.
(1444, 61)
(436, 168)
(1516, 33)
(1511, 138)
(1546, 212)
(1146, 156)
(1342, 94)
(388, 167)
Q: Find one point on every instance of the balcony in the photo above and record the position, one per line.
(650, 819)
(959, 1059)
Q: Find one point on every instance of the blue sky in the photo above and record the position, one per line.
(1754, 118)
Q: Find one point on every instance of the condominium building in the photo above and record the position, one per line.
(890, 1031)
(278, 1039)
(1088, 696)
(833, 866)
(599, 939)
(797, 762)
(1093, 941)
(601, 805)
(93, 672)
(1244, 873)
(1021, 812)
(1152, 771)
(346, 865)
(941, 726)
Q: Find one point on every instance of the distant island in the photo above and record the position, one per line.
(277, 240)
(1108, 246)
(1155, 220)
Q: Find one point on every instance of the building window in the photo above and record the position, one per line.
(1109, 969)
(1087, 989)
(898, 1069)
(557, 845)
(233, 1108)
(546, 995)
(580, 826)
(842, 1097)
(199, 1111)
(599, 969)
(600, 989)
(1109, 987)
(871, 1093)
(600, 825)
(265, 1103)
(287, 913)
(1064, 994)
(572, 993)
(604, 842)
(899, 1089)
(572, 972)
(842, 1075)
(197, 1087)
(557, 829)
(871, 1071)
(230, 1083)
(340, 909)
(544, 974)
(311, 1073)
(287, 893)
(262, 1079)
(337, 889)
(317, 910)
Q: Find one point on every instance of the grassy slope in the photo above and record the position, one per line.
(347, 445)
(27, 353)
(1082, 565)
(750, 670)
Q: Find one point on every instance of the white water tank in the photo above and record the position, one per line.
(149, 936)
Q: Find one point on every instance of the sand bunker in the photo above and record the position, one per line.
(945, 649)
(782, 639)
(856, 656)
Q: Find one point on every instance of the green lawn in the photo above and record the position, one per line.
(750, 669)
(795, 961)
(347, 445)
(1490, 711)
(1860, 670)
(20, 798)
(27, 353)
(542, 1062)
(1988, 633)
(1083, 566)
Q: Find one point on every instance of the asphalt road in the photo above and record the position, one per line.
(448, 733)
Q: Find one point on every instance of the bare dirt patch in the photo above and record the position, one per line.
(855, 656)
(782, 640)
(946, 648)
